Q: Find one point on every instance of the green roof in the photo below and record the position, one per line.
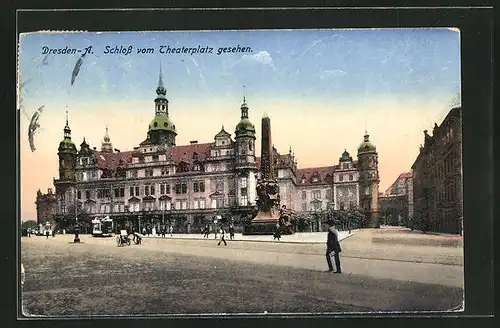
(366, 146)
(162, 122)
(67, 145)
(245, 128)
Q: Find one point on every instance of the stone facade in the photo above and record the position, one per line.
(396, 203)
(437, 177)
(160, 183)
(46, 206)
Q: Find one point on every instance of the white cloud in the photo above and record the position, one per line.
(262, 57)
(332, 74)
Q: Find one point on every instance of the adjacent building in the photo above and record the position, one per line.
(396, 203)
(161, 183)
(437, 177)
(46, 207)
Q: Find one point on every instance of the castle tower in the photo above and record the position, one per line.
(106, 145)
(67, 155)
(161, 129)
(369, 180)
(245, 165)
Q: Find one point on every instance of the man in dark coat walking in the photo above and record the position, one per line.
(222, 239)
(333, 247)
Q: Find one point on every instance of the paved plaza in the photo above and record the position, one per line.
(383, 270)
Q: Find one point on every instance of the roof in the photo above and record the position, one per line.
(223, 133)
(112, 160)
(406, 175)
(308, 173)
(185, 153)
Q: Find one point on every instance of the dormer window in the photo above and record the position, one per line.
(303, 180)
(183, 167)
(196, 167)
(195, 155)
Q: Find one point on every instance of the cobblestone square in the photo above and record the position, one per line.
(183, 276)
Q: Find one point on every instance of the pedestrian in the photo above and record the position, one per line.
(171, 231)
(53, 233)
(333, 248)
(231, 232)
(221, 231)
(206, 231)
(163, 232)
(277, 232)
(47, 233)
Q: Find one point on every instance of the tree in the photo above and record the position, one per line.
(67, 220)
(30, 224)
(301, 221)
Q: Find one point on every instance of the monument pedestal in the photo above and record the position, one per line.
(263, 224)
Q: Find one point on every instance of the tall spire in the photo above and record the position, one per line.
(366, 130)
(244, 106)
(160, 90)
(160, 82)
(106, 136)
(366, 136)
(67, 130)
(106, 145)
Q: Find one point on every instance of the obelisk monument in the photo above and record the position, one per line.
(268, 202)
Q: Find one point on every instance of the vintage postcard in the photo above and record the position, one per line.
(241, 172)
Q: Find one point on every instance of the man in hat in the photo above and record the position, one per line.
(333, 248)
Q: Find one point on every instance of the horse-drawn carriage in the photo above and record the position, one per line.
(126, 239)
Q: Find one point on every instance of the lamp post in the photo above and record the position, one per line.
(77, 229)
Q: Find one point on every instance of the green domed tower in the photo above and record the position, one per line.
(369, 180)
(245, 128)
(161, 130)
(67, 153)
(245, 162)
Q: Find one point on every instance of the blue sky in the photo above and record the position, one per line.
(321, 88)
(319, 64)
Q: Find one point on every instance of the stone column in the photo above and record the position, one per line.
(266, 160)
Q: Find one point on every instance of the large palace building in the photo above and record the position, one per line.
(159, 182)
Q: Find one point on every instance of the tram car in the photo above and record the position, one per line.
(102, 227)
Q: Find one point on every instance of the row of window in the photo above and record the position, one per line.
(316, 179)
(449, 194)
(316, 206)
(180, 188)
(316, 194)
(149, 172)
(150, 206)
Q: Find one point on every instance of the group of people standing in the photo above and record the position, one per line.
(219, 231)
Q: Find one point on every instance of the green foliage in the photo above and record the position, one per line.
(347, 219)
(30, 224)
